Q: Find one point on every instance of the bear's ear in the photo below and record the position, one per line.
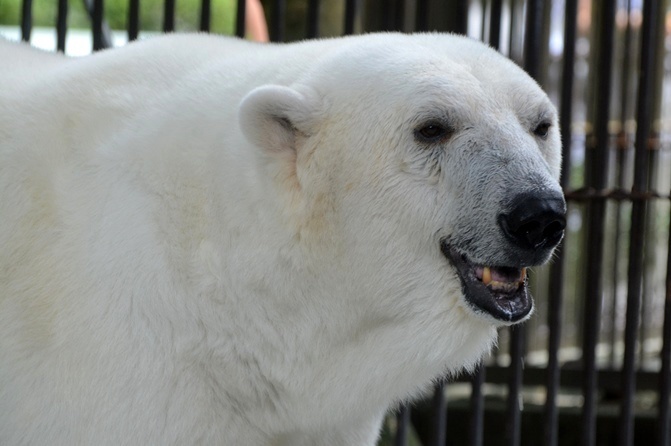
(272, 116)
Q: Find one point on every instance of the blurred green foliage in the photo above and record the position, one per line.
(187, 13)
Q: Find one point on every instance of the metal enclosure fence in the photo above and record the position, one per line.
(593, 367)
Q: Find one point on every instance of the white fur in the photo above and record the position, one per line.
(210, 241)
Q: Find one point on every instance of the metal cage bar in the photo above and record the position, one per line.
(439, 413)
(495, 23)
(61, 24)
(422, 15)
(133, 19)
(460, 18)
(556, 279)
(477, 407)
(240, 17)
(277, 17)
(205, 15)
(598, 174)
(514, 411)
(402, 426)
(97, 25)
(663, 405)
(351, 14)
(169, 16)
(26, 20)
(622, 148)
(640, 185)
(392, 13)
(313, 19)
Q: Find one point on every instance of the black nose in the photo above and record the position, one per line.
(535, 221)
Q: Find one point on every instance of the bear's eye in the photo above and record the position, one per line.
(432, 132)
(542, 129)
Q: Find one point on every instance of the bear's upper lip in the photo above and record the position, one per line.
(499, 291)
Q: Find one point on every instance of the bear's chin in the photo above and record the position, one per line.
(500, 292)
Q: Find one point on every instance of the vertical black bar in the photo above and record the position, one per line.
(279, 13)
(620, 157)
(351, 12)
(97, 24)
(556, 281)
(240, 17)
(556, 286)
(566, 100)
(169, 16)
(514, 416)
(495, 24)
(598, 180)
(402, 423)
(102, 36)
(422, 15)
(649, 237)
(313, 19)
(635, 272)
(458, 20)
(622, 147)
(664, 409)
(532, 51)
(205, 14)
(477, 406)
(133, 19)
(26, 20)
(439, 413)
(399, 15)
(61, 25)
(462, 14)
(533, 41)
(386, 8)
(637, 232)
(591, 320)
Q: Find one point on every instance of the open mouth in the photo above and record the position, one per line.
(500, 291)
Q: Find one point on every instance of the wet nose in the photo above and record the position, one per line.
(535, 221)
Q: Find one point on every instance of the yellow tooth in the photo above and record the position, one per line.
(524, 275)
(504, 286)
(486, 275)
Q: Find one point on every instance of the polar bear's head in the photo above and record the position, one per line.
(422, 169)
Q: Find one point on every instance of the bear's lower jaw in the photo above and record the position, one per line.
(500, 292)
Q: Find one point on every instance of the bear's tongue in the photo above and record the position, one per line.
(501, 278)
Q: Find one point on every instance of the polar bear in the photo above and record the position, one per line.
(211, 241)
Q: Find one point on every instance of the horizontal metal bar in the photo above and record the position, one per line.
(570, 377)
(590, 194)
